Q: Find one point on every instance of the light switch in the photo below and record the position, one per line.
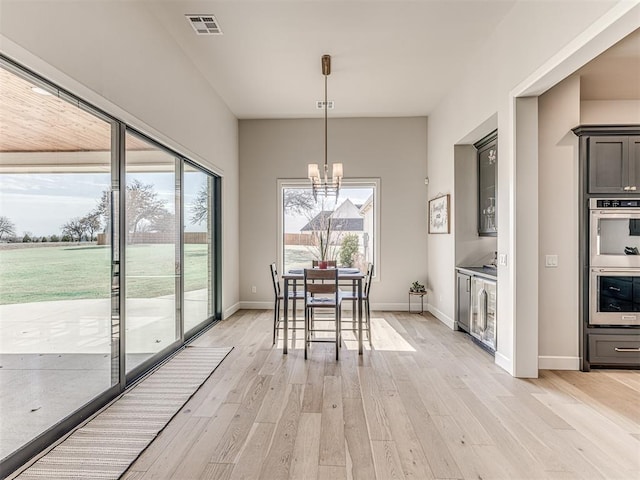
(551, 261)
(502, 259)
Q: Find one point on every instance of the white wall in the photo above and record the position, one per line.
(524, 48)
(392, 149)
(611, 112)
(116, 56)
(559, 112)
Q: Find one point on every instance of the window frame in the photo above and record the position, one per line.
(373, 182)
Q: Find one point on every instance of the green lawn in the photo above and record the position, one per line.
(81, 272)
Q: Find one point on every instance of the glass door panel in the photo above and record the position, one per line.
(152, 251)
(56, 335)
(198, 224)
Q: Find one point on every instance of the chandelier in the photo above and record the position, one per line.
(322, 184)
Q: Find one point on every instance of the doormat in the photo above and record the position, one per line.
(109, 443)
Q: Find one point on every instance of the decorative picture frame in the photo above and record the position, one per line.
(439, 214)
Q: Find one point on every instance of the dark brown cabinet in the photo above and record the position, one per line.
(614, 164)
(487, 180)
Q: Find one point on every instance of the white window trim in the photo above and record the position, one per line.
(283, 183)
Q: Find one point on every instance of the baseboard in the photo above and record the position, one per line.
(448, 321)
(504, 362)
(558, 363)
(380, 307)
(231, 310)
(244, 305)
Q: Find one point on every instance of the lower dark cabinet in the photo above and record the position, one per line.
(464, 301)
(623, 350)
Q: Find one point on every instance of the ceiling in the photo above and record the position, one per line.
(389, 58)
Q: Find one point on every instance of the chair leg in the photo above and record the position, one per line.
(276, 318)
(306, 331)
(337, 333)
(368, 313)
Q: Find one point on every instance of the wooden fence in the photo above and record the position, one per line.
(299, 239)
(156, 237)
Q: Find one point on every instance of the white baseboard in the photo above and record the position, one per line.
(231, 310)
(244, 305)
(504, 362)
(448, 321)
(558, 363)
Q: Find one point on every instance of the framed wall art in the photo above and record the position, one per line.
(439, 214)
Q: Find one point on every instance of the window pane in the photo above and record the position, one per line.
(152, 251)
(198, 259)
(55, 261)
(340, 229)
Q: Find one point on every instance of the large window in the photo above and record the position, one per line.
(342, 228)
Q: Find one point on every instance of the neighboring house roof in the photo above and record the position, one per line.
(319, 222)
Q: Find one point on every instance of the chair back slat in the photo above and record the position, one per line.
(275, 279)
(367, 280)
(321, 287)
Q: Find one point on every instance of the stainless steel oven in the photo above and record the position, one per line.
(614, 296)
(615, 232)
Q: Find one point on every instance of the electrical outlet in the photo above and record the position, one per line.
(254, 289)
(551, 261)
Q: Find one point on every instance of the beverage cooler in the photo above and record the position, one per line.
(483, 311)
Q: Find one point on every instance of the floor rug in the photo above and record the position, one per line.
(105, 446)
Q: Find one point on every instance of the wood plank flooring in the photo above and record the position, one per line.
(423, 403)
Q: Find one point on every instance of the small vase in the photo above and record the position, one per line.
(322, 264)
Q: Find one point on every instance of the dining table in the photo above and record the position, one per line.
(295, 276)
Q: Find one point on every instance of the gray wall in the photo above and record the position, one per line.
(391, 149)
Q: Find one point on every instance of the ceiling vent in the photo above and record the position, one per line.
(204, 24)
(320, 104)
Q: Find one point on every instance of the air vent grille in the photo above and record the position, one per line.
(204, 24)
(320, 104)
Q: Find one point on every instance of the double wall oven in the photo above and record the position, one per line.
(614, 261)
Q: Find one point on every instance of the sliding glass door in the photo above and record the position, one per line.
(199, 263)
(152, 251)
(58, 334)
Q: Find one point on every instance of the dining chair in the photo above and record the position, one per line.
(352, 295)
(294, 295)
(321, 292)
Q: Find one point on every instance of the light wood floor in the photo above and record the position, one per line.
(424, 403)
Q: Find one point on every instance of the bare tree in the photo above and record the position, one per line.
(74, 228)
(200, 206)
(143, 206)
(298, 200)
(7, 228)
(91, 223)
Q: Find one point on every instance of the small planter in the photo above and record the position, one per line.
(322, 265)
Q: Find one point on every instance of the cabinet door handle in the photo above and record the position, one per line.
(626, 189)
(632, 188)
(619, 349)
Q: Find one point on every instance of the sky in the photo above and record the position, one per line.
(39, 204)
(293, 223)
